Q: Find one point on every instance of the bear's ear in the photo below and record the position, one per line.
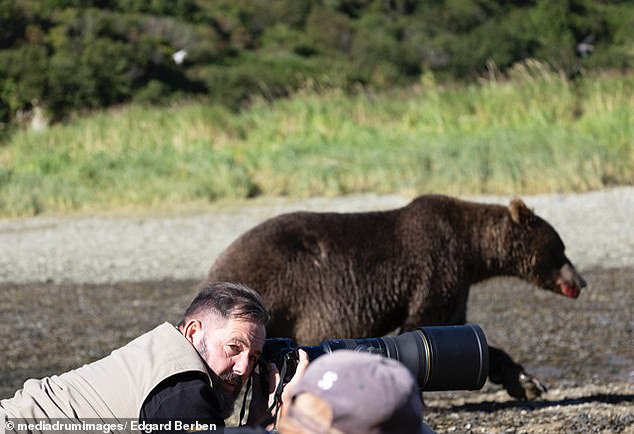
(520, 213)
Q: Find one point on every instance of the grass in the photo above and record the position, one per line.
(535, 131)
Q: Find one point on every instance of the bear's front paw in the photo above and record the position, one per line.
(524, 387)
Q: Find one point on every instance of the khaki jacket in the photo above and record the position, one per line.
(110, 389)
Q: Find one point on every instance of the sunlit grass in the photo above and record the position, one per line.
(534, 132)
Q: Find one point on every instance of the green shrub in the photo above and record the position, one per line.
(73, 55)
(24, 70)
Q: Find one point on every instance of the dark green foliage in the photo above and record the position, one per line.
(72, 55)
(268, 76)
(12, 23)
(183, 9)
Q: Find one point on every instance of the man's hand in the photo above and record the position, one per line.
(302, 364)
(261, 402)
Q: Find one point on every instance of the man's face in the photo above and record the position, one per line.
(231, 348)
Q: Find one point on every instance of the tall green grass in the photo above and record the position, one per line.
(535, 131)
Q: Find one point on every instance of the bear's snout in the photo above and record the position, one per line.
(570, 282)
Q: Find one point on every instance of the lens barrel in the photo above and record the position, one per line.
(439, 357)
(458, 357)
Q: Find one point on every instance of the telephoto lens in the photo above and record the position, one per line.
(439, 357)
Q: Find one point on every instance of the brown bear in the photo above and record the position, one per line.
(353, 275)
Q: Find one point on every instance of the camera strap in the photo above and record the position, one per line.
(277, 397)
(244, 401)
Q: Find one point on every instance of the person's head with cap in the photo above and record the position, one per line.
(349, 392)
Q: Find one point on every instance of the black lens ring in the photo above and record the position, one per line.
(483, 348)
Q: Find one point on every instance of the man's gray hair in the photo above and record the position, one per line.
(228, 300)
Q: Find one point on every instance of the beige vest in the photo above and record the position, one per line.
(109, 389)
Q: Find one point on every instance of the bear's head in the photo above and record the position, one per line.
(538, 253)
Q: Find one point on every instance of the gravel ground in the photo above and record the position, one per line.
(76, 287)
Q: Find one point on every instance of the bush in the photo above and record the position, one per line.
(71, 55)
(266, 76)
(24, 70)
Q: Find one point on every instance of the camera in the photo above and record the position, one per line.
(439, 357)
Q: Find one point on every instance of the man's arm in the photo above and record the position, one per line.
(188, 398)
(184, 397)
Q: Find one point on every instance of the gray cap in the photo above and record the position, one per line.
(366, 393)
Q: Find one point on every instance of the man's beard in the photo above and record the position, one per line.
(226, 399)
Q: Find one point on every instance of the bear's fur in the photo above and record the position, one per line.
(353, 275)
